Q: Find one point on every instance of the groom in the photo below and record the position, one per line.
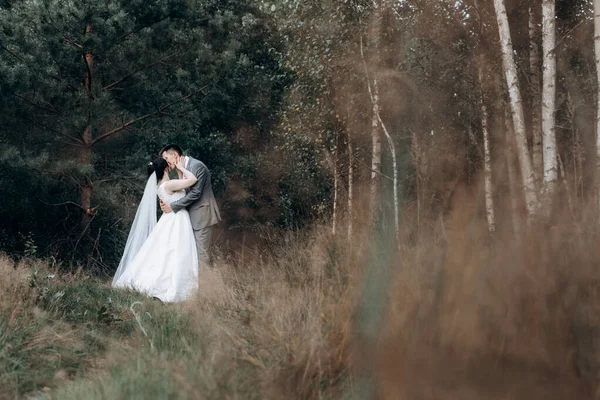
(199, 200)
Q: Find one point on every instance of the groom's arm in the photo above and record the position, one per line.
(195, 191)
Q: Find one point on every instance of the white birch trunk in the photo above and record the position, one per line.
(487, 160)
(516, 103)
(549, 102)
(395, 166)
(375, 128)
(536, 98)
(374, 94)
(375, 155)
(335, 188)
(350, 184)
(416, 157)
(597, 59)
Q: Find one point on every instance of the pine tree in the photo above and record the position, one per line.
(89, 87)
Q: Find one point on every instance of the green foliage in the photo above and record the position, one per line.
(170, 345)
(191, 72)
(267, 94)
(90, 303)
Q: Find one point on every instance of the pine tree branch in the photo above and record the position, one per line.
(136, 30)
(61, 142)
(107, 87)
(159, 110)
(123, 37)
(11, 53)
(80, 47)
(78, 141)
(33, 103)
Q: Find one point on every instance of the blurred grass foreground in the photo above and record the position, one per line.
(456, 315)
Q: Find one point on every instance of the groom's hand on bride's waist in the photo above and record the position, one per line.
(166, 207)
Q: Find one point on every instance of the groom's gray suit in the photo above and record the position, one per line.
(200, 202)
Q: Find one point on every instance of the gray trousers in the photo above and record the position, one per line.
(203, 237)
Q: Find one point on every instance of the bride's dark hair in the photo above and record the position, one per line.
(158, 165)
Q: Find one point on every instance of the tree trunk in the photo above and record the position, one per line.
(336, 188)
(562, 174)
(376, 159)
(487, 159)
(549, 102)
(597, 59)
(395, 182)
(536, 98)
(86, 151)
(516, 103)
(350, 183)
(512, 175)
(374, 201)
(85, 190)
(375, 154)
(416, 157)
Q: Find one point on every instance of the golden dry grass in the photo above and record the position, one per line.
(456, 314)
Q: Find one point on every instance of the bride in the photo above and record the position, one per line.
(160, 259)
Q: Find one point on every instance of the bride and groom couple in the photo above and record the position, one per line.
(162, 259)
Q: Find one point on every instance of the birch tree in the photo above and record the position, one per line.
(375, 32)
(374, 95)
(516, 104)
(535, 89)
(336, 185)
(375, 152)
(549, 101)
(487, 159)
(350, 210)
(597, 59)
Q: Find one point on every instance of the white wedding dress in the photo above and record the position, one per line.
(166, 266)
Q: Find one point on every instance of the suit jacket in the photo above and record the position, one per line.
(199, 199)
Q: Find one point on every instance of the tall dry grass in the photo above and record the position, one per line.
(35, 349)
(279, 326)
(457, 313)
(471, 315)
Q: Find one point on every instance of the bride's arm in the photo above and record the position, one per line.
(175, 185)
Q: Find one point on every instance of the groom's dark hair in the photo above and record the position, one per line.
(171, 147)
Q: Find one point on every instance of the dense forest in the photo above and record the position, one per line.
(436, 163)
(304, 111)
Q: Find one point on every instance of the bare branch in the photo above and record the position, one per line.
(566, 35)
(377, 172)
(90, 211)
